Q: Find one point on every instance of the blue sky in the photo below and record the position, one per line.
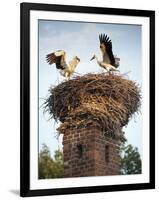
(81, 39)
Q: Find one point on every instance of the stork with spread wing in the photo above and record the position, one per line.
(59, 58)
(109, 62)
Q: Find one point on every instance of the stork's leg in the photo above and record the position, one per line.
(68, 77)
(103, 69)
(66, 74)
(107, 70)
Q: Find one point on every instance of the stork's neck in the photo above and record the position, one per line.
(73, 63)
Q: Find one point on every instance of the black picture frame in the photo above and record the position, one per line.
(25, 9)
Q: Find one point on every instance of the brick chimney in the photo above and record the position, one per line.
(87, 152)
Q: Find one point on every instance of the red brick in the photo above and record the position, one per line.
(92, 162)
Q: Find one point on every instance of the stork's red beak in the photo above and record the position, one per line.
(92, 58)
(78, 59)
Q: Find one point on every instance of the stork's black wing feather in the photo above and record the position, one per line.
(52, 58)
(104, 39)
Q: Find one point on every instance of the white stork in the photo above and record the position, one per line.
(59, 58)
(109, 62)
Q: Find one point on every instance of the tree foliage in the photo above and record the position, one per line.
(50, 167)
(130, 160)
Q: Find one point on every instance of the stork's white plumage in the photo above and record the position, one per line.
(105, 65)
(59, 58)
(109, 62)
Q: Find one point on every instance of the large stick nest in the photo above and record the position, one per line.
(105, 100)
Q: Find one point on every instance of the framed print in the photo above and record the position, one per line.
(87, 99)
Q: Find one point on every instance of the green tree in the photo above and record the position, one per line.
(50, 167)
(58, 164)
(130, 160)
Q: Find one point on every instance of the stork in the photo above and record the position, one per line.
(59, 58)
(109, 62)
